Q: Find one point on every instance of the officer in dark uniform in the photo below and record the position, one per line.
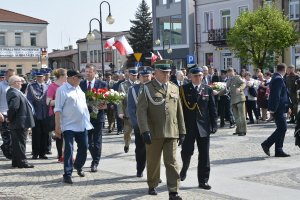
(200, 116)
(133, 92)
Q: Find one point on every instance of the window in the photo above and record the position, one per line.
(177, 0)
(209, 59)
(83, 57)
(170, 29)
(157, 2)
(34, 67)
(19, 69)
(2, 38)
(99, 56)
(2, 66)
(91, 56)
(18, 39)
(95, 56)
(243, 9)
(208, 21)
(33, 39)
(294, 9)
(225, 19)
(164, 2)
(108, 56)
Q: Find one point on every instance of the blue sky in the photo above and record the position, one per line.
(69, 19)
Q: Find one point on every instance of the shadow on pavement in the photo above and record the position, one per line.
(236, 160)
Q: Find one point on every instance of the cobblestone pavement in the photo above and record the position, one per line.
(240, 170)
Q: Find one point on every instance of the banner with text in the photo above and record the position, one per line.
(19, 52)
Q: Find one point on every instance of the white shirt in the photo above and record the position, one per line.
(92, 83)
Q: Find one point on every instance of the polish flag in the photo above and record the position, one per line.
(153, 58)
(123, 46)
(160, 57)
(109, 43)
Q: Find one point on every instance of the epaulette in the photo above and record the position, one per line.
(173, 83)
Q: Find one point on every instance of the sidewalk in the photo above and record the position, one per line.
(239, 170)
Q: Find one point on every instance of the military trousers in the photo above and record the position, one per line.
(140, 151)
(127, 131)
(168, 147)
(240, 117)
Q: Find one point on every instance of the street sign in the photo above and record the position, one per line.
(138, 64)
(190, 59)
(138, 56)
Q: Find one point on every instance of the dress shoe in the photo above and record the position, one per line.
(235, 133)
(126, 149)
(174, 196)
(152, 191)
(80, 172)
(13, 164)
(204, 186)
(139, 174)
(68, 180)
(241, 134)
(265, 149)
(160, 181)
(34, 157)
(49, 152)
(109, 131)
(94, 168)
(43, 157)
(222, 125)
(182, 175)
(25, 165)
(281, 154)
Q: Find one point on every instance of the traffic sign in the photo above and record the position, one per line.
(138, 56)
(138, 64)
(190, 59)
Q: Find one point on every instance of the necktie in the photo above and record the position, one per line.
(196, 88)
(164, 86)
(42, 90)
(89, 86)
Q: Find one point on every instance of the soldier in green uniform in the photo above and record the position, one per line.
(122, 107)
(161, 123)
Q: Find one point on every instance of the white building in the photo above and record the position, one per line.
(23, 42)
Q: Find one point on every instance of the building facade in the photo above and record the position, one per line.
(67, 58)
(174, 30)
(23, 42)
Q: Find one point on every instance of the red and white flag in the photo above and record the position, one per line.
(160, 57)
(109, 43)
(123, 46)
(153, 58)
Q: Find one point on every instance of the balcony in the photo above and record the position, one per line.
(217, 37)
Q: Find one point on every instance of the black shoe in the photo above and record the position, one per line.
(152, 191)
(174, 196)
(68, 180)
(182, 175)
(265, 149)
(235, 133)
(25, 165)
(281, 154)
(241, 134)
(13, 164)
(49, 153)
(126, 149)
(204, 186)
(292, 121)
(44, 157)
(160, 181)
(80, 172)
(34, 157)
(222, 125)
(109, 131)
(139, 174)
(94, 168)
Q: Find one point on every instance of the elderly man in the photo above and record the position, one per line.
(5, 132)
(161, 123)
(206, 77)
(20, 117)
(179, 81)
(72, 118)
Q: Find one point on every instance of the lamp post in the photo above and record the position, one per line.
(91, 36)
(169, 50)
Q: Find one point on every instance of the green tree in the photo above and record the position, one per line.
(257, 36)
(141, 31)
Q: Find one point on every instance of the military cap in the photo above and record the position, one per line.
(195, 70)
(223, 71)
(46, 70)
(163, 65)
(39, 74)
(133, 71)
(2, 75)
(144, 71)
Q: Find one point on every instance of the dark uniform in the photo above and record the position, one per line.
(291, 84)
(200, 116)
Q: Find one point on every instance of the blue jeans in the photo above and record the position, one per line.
(82, 144)
(278, 135)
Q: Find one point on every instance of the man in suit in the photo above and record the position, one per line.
(122, 107)
(206, 77)
(278, 105)
(200, 117)
(20, 116)
(236, 86)
(133, 92)
(95, 134)
(161, 123)
(180, 80)
(36, 95)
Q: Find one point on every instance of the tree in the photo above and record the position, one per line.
(141, 32)
(257, 36)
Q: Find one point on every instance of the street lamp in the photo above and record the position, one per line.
(91, 36)
(169, 50)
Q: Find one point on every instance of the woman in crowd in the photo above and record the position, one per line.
(61, 77)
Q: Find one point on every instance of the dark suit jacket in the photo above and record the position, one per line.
(278, 98)
(206, 118)
(19, 111)
(98, 85)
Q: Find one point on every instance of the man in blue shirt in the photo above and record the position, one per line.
(72, 118)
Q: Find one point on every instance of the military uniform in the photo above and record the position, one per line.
(291, 84)
(159, 114)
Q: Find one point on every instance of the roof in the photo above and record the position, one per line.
(62, 53)
(9, 16)
(106, 35)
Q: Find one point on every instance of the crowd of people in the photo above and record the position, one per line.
(163, 107)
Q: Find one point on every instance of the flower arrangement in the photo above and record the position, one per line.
(218, 86)
(96, 97)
